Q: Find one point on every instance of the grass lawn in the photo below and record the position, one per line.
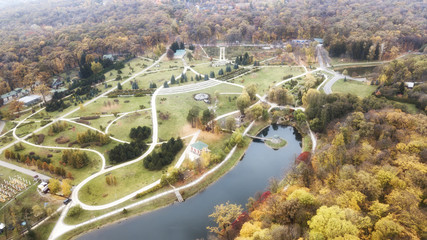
(306, 143)
(411, 108)
(109, 106)
(6, 139)
(156, 77)
(129, 179)
(44, 230)
(207, 69)
(267, 77)
(102, 121)
(178, 106)
(26, 128)
(8, 126)
(78, 174)
(355, 87)
(137, 64)
(121, 128)
(70, 133)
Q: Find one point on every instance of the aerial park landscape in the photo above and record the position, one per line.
(171, 142)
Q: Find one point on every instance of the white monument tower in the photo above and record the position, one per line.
(222, 61)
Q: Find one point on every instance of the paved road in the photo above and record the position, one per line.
(337, 76)
(2, 124)
(61, 228)
(23, 170)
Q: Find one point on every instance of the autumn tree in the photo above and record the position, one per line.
(243, 101)
(66, 187)
(193, 115)
(15, 106)
(230, 123)
(224, 215)
(96, 67)
(170, 54)
(251, 90)
(54, 185)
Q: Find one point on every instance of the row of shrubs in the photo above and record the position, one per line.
(133, 92)
(235, 73)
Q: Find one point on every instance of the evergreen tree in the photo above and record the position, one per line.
(236, 66)
(173, 81)
(212, 75)
(165, 84)
(228, 68)
(119, 86)
(221, 72)
(206, 77)
(237, 60)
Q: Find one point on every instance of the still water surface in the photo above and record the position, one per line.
(188, 220)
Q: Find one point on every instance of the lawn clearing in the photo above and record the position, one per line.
(177, 107)
(129, 179)
(354, 87)
(267, 77)
(110, 106)
(56, 157)
(121, 128)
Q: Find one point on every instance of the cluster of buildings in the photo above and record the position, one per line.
(24, 96)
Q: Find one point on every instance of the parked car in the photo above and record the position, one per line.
(66, 201)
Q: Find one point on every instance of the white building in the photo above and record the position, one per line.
(30, 100)
(196, 150)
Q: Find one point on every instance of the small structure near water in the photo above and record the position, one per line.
(276, 142)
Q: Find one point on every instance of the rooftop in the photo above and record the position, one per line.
(30, 98)
(179, 53)
(199, 145)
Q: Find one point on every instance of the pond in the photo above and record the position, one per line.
(189, 219)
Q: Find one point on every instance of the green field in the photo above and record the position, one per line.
(78, 174)
(121, 128)
(267, 77)
(137, 64)
(355, 87)
(110, 106)
(207, 69)
(156, 77)
(178, 106)
(129, 179)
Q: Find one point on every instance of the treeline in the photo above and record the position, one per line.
(42, 163)
(140, 133)
(367, 181)
(92, 137)
(395, 76)
(158, 159)
(321, 108)
(125, 152)
(77, 159)
(31, 51)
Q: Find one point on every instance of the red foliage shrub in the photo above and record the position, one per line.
(304, 157)
(238, 223)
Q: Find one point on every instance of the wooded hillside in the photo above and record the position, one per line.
(367, 180)
(44, 38)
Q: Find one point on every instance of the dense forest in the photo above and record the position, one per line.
(367, 180)
(44, 38)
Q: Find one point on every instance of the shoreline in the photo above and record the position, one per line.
(191, 191)
(192, 194)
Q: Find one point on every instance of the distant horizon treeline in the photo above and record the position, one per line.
(41, 39)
